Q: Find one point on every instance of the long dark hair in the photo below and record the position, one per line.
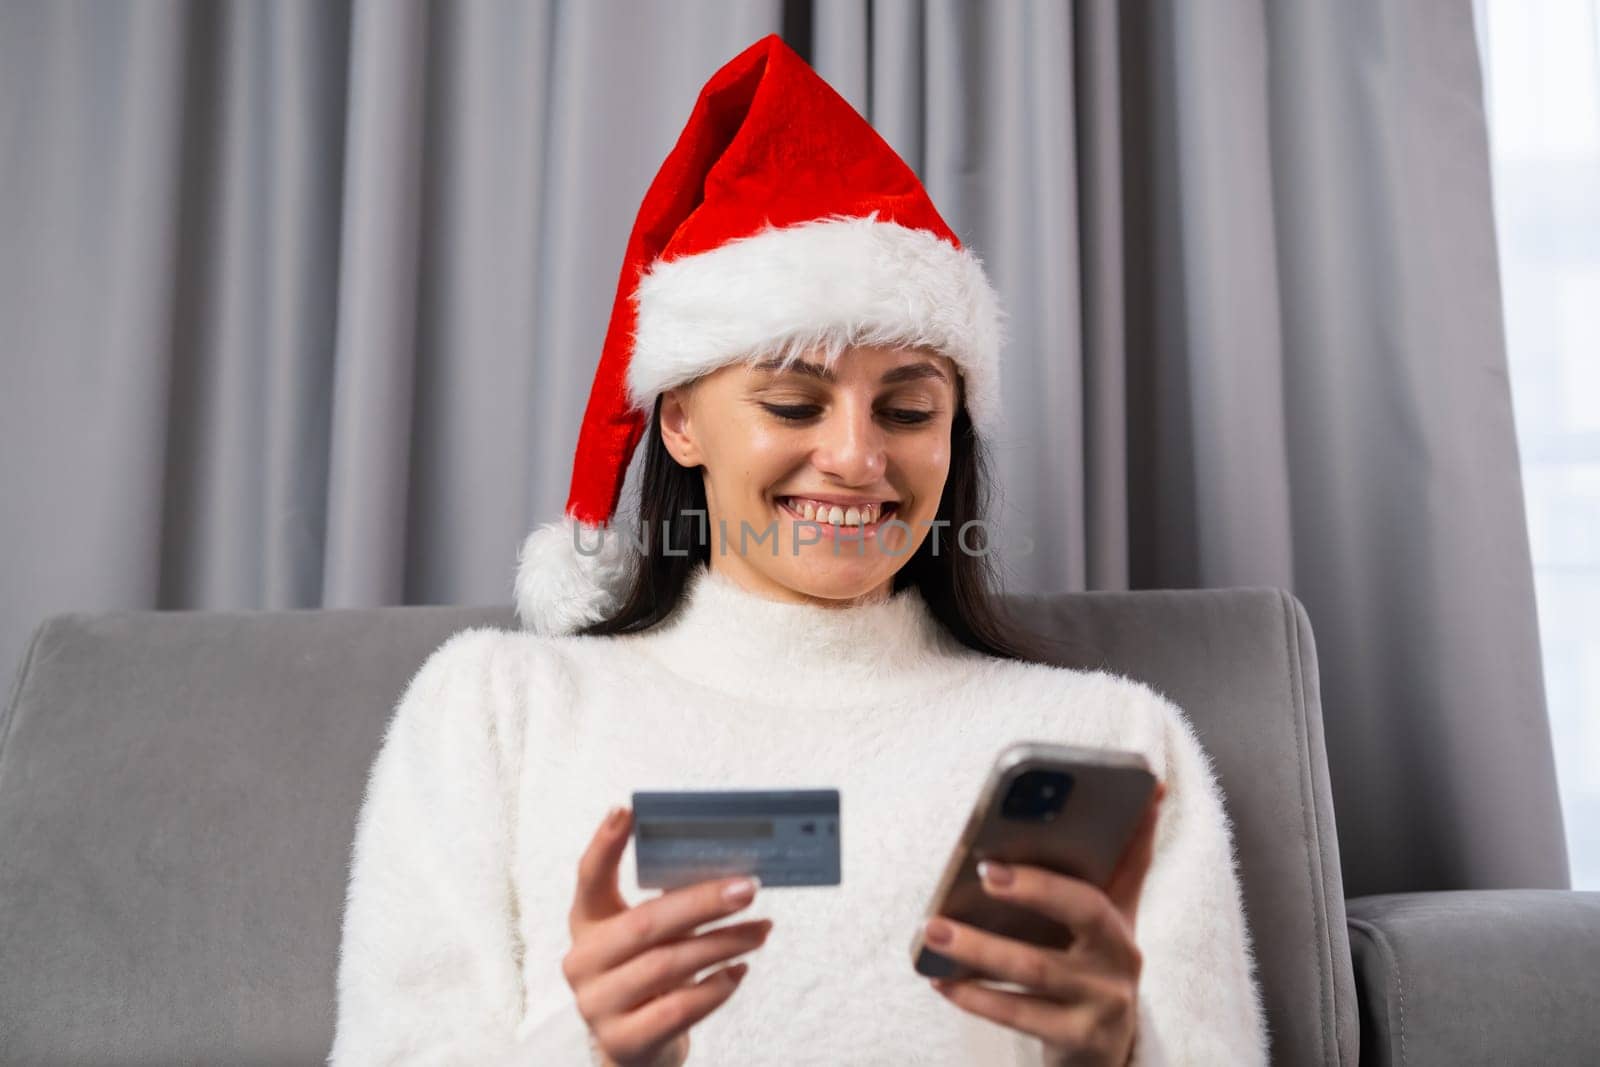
(957, 583)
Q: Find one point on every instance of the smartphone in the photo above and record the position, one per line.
(1065, 808)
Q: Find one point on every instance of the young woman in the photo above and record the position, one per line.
(810, 357)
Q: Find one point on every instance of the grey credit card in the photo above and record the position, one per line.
(785, 837)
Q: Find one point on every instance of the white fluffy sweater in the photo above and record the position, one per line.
(507, 749)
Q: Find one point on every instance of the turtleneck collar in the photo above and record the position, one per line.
(728, 638)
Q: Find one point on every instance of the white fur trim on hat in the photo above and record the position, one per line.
(825, 283)
(570, 574)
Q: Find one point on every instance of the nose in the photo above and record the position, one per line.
(851, 447)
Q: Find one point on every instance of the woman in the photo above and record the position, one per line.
(805, 604)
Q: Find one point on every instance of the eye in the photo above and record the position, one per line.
(803, 412)
(792, 412)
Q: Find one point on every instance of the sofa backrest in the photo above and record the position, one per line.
(178, 795)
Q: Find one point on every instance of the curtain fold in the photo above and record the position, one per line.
(1410, 536)
(301, 304)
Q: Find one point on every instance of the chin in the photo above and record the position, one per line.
(827, 578)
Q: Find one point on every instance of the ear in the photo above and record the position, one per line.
(677, 431)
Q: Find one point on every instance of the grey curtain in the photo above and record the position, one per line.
(300, 304)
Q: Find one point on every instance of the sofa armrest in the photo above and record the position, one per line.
(1477, 976)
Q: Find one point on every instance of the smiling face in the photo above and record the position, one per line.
(805, 466)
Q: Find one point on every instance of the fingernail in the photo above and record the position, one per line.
(614, 819)
(742, 890)
(995, 874)
(938, 931)
(737, 971)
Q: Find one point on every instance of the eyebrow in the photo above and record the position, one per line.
(908, 372)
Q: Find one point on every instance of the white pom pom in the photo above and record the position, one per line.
(571, 574)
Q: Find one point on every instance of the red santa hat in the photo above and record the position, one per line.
(781, 223)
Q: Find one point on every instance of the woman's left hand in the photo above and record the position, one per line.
(1082, 998)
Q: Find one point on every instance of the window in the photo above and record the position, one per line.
(1541, 70)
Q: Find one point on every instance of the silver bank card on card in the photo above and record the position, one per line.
(785, 837)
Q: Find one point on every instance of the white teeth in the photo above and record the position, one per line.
(863, 515)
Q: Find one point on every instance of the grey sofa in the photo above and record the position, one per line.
(178, 794)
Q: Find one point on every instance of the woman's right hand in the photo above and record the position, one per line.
(632, 969)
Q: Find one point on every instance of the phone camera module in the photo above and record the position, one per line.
(1036, 796)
